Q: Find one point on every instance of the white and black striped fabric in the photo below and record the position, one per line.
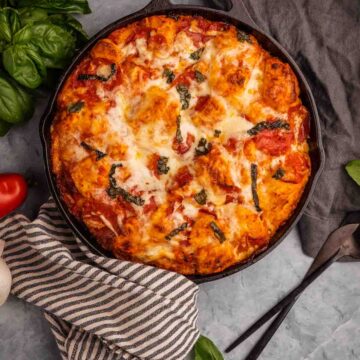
(98, 308)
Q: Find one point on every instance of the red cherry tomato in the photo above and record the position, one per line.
(13, 191)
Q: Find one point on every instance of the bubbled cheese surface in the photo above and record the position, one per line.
(176, 113)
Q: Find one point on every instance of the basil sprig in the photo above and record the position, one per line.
(37, 37)
(217, 232)
(99, 77)
(201, 197)
(203, 148)
(176, 231)
(353, 169)
(185, 96)
(243, 36)
(99, 154)
(268, 125)
(115, 191)
(254, 174)
(205, 349)
(196, 55)
(162, 166)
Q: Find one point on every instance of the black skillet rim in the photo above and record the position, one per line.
(316, 149)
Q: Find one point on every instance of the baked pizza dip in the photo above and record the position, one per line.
(181, 143)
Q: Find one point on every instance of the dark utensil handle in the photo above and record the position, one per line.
(292, 296)
(237, 9)
(270, 331)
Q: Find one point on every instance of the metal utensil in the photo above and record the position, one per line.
(344, 241)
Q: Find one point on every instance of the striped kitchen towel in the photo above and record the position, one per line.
(98, 308)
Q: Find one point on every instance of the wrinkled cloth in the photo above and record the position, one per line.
(98, 308)
(324, 39)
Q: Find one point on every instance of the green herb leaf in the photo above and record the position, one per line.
(76, 107)
(115, 191)
(279, 174)
(30, 15)
(199, 76)
(25, 65)
(176, 231)
(217, 133)
(196, 55)
(243, 36)
(162, 165)
(55, 44)
(99, 77)
(169, 75)
(16, 104)
(178, 136)
(185, 96)
(353, 169)
(254, 171)
(99, 154)
(59, 6)
(218, 232)
(9, 23)
(268, 125)
(203, 147)
(73, 26)
(205, 349)
(201, 197)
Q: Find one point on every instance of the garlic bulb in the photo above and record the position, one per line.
(5, 277)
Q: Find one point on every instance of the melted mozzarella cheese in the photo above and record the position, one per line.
(234, 77)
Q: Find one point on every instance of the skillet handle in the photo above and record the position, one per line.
(237, 9)
(158, 5)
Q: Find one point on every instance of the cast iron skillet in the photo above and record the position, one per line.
(234, 13)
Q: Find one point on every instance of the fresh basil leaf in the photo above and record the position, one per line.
(16, 104)
(200, 77)
(243, 36)
(176, 231)
(73, 26)
(170, 76)
(217, 133)
(196, 55)
(4, 127)
(75, 107)
(59, 6)
(201, 197)
(111, 73)
(30, 15)
(279, 174)
(217, 232)
(99, 154)
(353, 169)
(25, 65)
(268, 125)
(254, 176)
(55, 44)
(162, 165)
(205, 349)
(185, 96)
(9, 23)
(114, 190)
(203, 148)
